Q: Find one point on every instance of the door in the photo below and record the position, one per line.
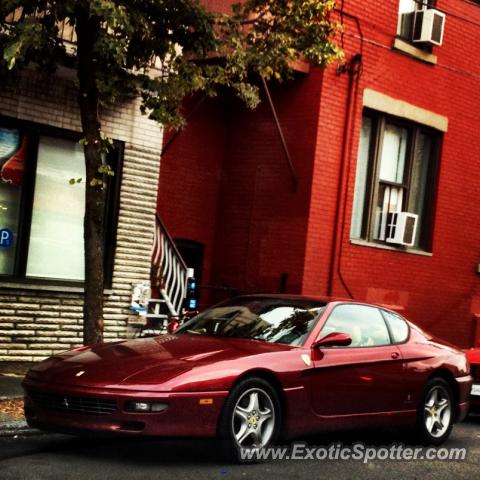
(364, 377)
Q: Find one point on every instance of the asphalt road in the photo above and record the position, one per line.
(49, 456)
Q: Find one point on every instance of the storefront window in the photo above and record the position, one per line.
(42, 209)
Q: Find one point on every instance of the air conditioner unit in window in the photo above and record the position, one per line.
(401, 228)
(428, 26)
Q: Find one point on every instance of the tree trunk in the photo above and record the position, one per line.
(87, 30)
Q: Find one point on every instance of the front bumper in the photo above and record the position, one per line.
(189, 414)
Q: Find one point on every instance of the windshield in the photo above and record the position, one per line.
(275, 320)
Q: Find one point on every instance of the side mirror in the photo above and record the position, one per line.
(334, 339)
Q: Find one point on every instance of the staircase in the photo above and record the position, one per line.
(169, 276)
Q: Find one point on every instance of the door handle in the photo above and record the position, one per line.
(395, 355)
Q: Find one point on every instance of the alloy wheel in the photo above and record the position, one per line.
(253, 420)
(437, 411)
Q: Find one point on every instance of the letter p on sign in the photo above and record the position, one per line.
(6, 238)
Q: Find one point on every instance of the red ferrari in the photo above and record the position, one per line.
(254, 368)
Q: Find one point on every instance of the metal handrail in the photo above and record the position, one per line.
(169, 270)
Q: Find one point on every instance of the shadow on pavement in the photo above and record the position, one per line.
(144, 451)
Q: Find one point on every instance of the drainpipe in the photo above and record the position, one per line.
(353, 69)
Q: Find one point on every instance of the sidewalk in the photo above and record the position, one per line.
(12, 422)
(10, 386)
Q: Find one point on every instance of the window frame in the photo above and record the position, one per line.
(115, 157)
(372, 183)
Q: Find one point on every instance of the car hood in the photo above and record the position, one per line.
(150, 361)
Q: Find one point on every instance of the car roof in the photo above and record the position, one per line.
(311, 298)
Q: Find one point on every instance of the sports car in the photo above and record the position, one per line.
(473, 356)
(256, 367)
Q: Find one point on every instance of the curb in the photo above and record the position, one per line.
(13, 428)
(19, 432)
(17, 428)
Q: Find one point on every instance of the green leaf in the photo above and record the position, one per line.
(106, 170)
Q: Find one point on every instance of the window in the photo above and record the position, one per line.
(397, 325)
(364, 324)
(396, 171)
(56, 231)
(41, 211)
(406, 15)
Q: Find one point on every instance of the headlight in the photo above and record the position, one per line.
(145, 407)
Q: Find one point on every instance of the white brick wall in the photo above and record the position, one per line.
(35, 323)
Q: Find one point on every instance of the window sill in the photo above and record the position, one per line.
(47, 287)
(414, 251)
(411, 50)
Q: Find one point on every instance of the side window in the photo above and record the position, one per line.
(364, 324)
(397, 325)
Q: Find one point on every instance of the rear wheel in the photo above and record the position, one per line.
(435, 413)
(250, 419)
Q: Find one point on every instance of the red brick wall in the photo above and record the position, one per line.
(190, 178)
(439, 291)
(225, 182)
(218, 5)
(262, 221)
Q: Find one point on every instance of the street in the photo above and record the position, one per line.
(53, 456)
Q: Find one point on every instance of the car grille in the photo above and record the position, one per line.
(475, 372)
(73, 404)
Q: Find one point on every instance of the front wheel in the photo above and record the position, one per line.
(435, 412)
(250, 419)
